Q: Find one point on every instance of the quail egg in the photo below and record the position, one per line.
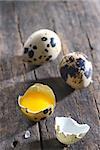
(42, 46)
(76, 70)
(38, 102)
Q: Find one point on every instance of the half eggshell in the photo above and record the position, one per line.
(68, 131)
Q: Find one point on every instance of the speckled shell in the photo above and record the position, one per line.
(39, 115)
(76, 70)
(42, 114)
(42, 46)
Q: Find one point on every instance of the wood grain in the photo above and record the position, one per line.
(15, 79)
(77, 24)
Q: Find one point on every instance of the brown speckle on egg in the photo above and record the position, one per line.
(45, 111)
(34, 47)
(50, 112)
(30, 54)
(25, 50)
(50, 109)
(52, 42)
(40, 57)
(46, 50)
(47, 59)
(43, 38)
(71, 59)
(26, 110)
(48, 45)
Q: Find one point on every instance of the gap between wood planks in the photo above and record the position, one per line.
(22, 42)
(91, 47)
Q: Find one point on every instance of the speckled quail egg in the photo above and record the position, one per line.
(68, 131)
(38, 102)
(76, 70)
(42, 46)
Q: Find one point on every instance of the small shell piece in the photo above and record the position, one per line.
(27, 134)
(68, 131)
(76, 70)
(42, 46)
(38, 102)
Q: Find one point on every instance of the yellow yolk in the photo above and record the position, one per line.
(36, 101)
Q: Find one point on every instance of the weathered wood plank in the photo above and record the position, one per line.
(77, 25)
(14, 80)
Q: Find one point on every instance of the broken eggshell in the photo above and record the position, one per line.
(38, 102)
(76, 70)
(68, 131)
(42, 46)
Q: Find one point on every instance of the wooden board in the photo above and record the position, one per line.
(14, 80)
(77, 24)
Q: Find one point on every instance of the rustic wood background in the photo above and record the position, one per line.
(78, 25)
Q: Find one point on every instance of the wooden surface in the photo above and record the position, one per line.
(78, 25)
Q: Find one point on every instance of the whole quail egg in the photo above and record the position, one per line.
(76, 70)
(42, 46)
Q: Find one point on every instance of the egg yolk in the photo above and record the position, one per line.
(36, 101)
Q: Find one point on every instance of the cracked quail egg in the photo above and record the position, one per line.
(42, 46)
(76, 70)
(38, 102)
(68, 131)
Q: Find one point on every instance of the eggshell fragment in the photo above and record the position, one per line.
(42, 46)
(76, 70)
(27, 134)
(68, 131)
